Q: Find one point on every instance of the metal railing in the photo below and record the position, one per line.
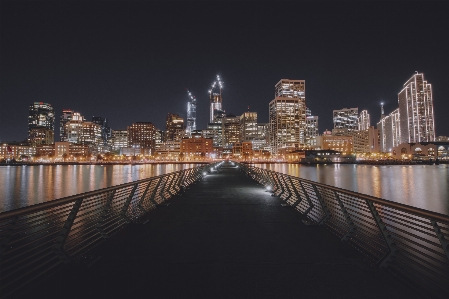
(36, 241)
(411, 243)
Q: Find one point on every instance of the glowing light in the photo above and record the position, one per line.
(204, 173)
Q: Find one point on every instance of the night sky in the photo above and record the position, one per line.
(132, 62)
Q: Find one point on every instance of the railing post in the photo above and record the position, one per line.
(309, 201)
(139, 205)
(127, 203)
(327, 214)
(383, 262)
(60, 241)
(352, 227)
(280, 179)
(298, 201)
(103, 215)
(440, 236)
(161, 193)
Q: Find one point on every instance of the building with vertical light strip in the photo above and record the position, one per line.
(346, 118)
(389, 131)
(287, 116)
(416, 110)
(364, 121)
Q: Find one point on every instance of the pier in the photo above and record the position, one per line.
(220, 234)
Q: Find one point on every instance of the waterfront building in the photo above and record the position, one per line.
(366, 141)
(174, 125)
(431, 150)
(67, 115)
(416, 110)
(346, 118)
(16, 150)
(45, 150)
(230, 128)
(41, 120)
(389, 131)
(197, 148)
(242, 150)
(142, 134)
(337, 143)
(62, 149)
(168, 151)
(248, 126)
(364, 121)
(287, 116)
(119, 139)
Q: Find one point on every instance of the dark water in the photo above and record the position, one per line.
(28, 185)
(422, 186)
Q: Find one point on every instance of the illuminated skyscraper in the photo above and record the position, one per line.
(174, 127)
(67, 115)
(248, 126)
(363, 121)
(105, 129)
(41, 123)
(191, 114)
(230, 128)
(346, 118)
(287, 113)
(416, 110)
(311, 134)
(216, 109)
(389, 131)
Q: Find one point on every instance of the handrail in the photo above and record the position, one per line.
(36, 241)
(410, 242)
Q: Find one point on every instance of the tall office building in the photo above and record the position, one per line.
(216, 109)
(346, 118)
(174, 125)
(230, 128)
(142, 134)
(191, 114)
(389, 131)
(248, 126)
(363, 121)
(72, 128)
(287, 116)
(105, 129)
(416, 110)
(67, 115)
(41, 123)
(119, 139)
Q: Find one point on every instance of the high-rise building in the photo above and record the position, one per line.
(389, 131)
(174, 127)
(191, 114)
(215, 132)
(287, 116)
(311, 134)
(416, 110)
(66, 116)
(364, 121)
(346, 118)
(72, 128)
(91, 135)
(119, 139)
(216, 109)
(41, 123)
(230, 128)
(248, 126)
(105, 129)
(142, 134)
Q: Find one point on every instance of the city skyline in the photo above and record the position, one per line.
(50, 57)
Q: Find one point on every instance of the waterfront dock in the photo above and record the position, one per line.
(224, 237)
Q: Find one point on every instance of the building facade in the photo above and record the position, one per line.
(346, 118)
(174, 125)
(287, 116)
(389, 131)
(248, 126)
(364, 121)
(41, 120)
(230, 128)
(416, 110)
(142, 134)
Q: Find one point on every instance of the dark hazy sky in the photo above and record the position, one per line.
(133, 61)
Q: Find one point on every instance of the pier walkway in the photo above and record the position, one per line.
(224, 237)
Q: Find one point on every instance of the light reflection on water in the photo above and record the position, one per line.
(28, 185)
(422, 186)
